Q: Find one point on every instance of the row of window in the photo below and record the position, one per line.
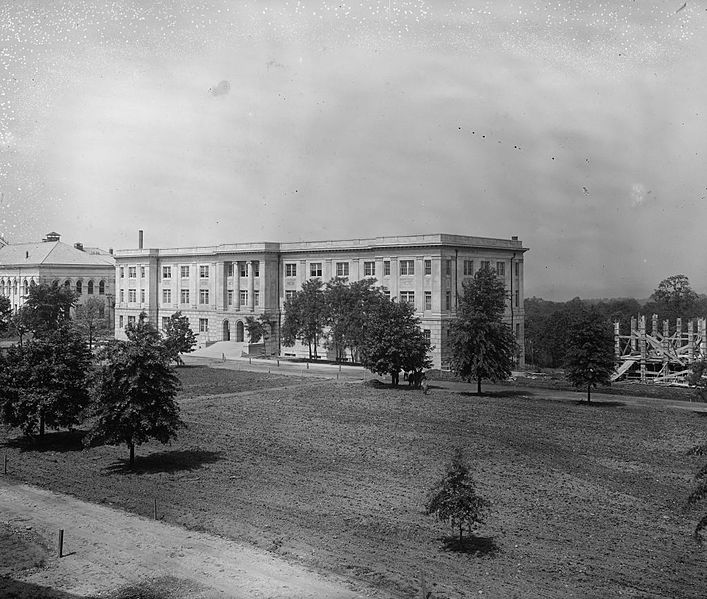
(185, 271)
(185, 296)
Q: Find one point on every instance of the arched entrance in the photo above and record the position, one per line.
(226, 331)
(239, 331)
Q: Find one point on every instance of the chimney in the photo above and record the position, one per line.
(139, 239)
(79, 246)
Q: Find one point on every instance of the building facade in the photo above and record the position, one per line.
(218, 287)
(88, 271)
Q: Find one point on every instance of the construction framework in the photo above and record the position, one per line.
(659, 357)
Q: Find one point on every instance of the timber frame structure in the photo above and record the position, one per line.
(659, 357)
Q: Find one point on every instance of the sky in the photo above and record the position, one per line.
(577, 125)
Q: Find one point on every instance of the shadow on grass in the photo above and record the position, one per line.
(25, 590)
(700, 413)
(503, 393)
(471, 545)
(59, 441)
(600, 404)
(165, 461)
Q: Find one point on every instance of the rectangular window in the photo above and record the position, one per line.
(244, 269)
(166, 296)
(516, 299)
(386, 292)
(131, 320)
(256, 268)
(166, 272)
(256, 298)
(122, 272)
(447, 267)
(203, 272)
(315, 269)
(184, 272)
(229, 269)
(289, 294)
(132, 272)
(290, 270)
(407, 297)
(244, 297)
(165, 322)
(369, 269)
(342, 269)
(517, 330)
(428, 267)
(517, 269)
(427, 334)
(132, 295)
(122, 295)
(448, 300)
(203, 296)
(229, 297)
(203, 325)
(386, 268)
(501, 269)
(428, 300)
(142, 296)
(485, 264)
(184, 296)
(468, 268)
(142, 272)
(120, 321)
(407, 267)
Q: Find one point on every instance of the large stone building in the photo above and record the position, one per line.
(217, 287)
(88, 271)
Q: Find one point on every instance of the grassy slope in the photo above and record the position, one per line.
(587, 501)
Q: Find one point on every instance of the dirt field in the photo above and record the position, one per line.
(588, 501)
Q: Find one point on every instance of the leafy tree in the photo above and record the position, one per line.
(43, 381)
(347, 308)
(393, 340)
(134, 389)
(454, 500)
(698, 379)
(305, 317)
(260, 328)
(483, 346)
(5, 314)
(590, 352)
(90, 319)
(179, 337)
(47, 306)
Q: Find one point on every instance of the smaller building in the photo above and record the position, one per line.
(88, 271)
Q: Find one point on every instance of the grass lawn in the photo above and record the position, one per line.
(587, 501)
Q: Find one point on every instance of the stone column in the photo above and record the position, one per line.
(251, 286)
(237, 285)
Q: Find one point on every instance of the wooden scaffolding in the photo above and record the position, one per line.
(659, 357)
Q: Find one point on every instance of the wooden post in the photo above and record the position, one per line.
(691, 340)
(617, 342)
(654, 326)
(642, 346)
(61, 542)
(155, 508)
(633, 334)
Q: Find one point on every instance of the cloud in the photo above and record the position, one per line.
(221, 89)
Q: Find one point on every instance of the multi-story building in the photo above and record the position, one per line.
(88, 271)
(218, 287)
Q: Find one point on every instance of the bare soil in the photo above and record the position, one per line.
(587, 500)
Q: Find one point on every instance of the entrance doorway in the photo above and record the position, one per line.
(226, 331)
(239, 331)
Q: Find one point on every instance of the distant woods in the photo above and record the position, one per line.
(547, 323)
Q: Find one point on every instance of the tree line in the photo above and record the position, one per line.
(53, 378)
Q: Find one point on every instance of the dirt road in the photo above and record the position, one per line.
(106, 549)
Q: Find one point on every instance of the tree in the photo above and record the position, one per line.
(179, 337)
(260, 328)
(347, 306)
(454, 500)
(674, 298)
(393, 340)
(305, 316)
(133, 391)
(5, 314)
(90, 319)
(43, 382)
(47, 306)
(483, 346)
(589, 360)
(698, 379)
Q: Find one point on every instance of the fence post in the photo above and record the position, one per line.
(155, 508)
(61, 542)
